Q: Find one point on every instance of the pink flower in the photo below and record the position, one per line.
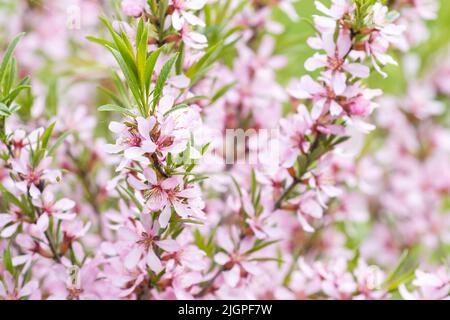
(338, 10)
(308, 206)
(322, 179)
(193, 39)
(335, 281)
(30, 177)
(324, 95)
(370, 280)
(74, 229)
(258, 221)
(79, 283)
(9, 224)
(134, 140)
(134, 8)
(165, 194)
(335, 60)
(127, 281)
(234, 258)
(143, 240)
(295, 130)
(49, 208)
(10, 289)
(188, 257)
(182, 13)
(431, 286)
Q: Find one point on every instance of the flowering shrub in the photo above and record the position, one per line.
(154, 150)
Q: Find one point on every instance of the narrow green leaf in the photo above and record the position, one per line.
(4, 110)
(102, 42)
(15, 92)
(58, 142)
(149, 67)
(8, 55)
(222, 91)
(46, 136)
(11, 198)
(141, 54)
(113, 107)
(130, 77)
(253, 185)
(10, 76)
(112, 96)
(7, 260)
(259, 245)
(175, 108)
(162, 78)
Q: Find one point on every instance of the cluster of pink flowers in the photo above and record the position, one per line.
(149, 206)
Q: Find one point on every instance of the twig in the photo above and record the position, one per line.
(56, 256)
(158, 167)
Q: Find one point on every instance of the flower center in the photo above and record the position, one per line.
(335, 63)
(74, 293)
(135, 141)
(146, 240)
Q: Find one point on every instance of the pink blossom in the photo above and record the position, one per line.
(234, 259)
(143, 240)
(134, 8)
(165, 194)
(335, 61)
(338, 10)
(10, 289)
(182, 13)
(309, 206)
(135, 140)
(431, 286)
(31, 177)
(50, 208)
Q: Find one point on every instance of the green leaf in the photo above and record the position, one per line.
(222, 91)
(141, 50)
(180, 60)
(399, 266)
(149, 67)
(404, 270)
(122, 42)
(58, 142)
(253, 185)
(193, 99)
(7, 260)
(10, 76)
(46, 136)
(15, 92)
(8, 55)
(4, 110)
(195, 68)
(102, 42)
(51, 100)
(131, 196)
(139, 30)
(175, 108)
(191, 221)
(205, 148)
(259, 245)
(238, 188)
(162, 78)
(8, 196)
(112, 96)
(115, 108)
(132, 81)
(122, 90)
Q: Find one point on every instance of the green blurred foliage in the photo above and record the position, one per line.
(292, 43)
